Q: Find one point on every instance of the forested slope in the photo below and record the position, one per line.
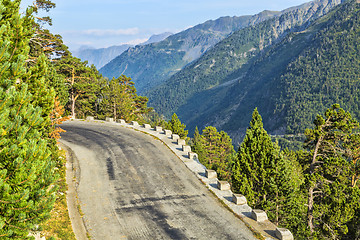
(289, 80)
(154, 63)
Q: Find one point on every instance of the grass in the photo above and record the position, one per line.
(59, 225)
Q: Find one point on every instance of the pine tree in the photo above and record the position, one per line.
(215, 151)
(255, 160)
(177, 127)
(197, 144)
(122, 101)
(331, 201)
(26, 167)
(269, 179)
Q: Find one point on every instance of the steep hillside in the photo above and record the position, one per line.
(102, 56)
(290, 81)
(232, 56)
(152, 64)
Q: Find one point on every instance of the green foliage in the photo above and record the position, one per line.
(27, 173)
(122, 102)
(152, 64)
(332, 199)
(83, 83)
(269, 180)
(227, 61)
(177, 127)
(215, 151)
(256, 157)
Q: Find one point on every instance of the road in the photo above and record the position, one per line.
(131, 186)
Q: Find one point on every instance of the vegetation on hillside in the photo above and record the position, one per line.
(314, 191)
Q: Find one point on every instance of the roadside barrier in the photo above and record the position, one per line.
(256, 219)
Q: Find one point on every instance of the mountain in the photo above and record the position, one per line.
(152, 64)
(291, 67)
(156, 38)
(102, 56)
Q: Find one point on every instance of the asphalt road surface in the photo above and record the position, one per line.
(131, 186)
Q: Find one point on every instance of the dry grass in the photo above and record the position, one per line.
(59, 225)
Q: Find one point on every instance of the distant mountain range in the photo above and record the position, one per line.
(291, 67)
(100, 57)
(152, 64)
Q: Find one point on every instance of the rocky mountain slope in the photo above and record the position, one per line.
(254, 67)
(102, 56)
(152, 64)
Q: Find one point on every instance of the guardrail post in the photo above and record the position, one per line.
(186, 148)
(167, 132)
(158, 129)
(135, 123)
(175, 137)
(192, 155)
(223, 185)
(210, 174)
(181, 142)
(121, 121)
(109, 119)
(284, 234)
(239, 199)
(259, 215)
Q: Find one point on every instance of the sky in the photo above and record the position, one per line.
(98, 24)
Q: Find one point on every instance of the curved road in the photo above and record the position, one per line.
(133, 187)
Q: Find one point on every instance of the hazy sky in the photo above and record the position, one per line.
(102, 23)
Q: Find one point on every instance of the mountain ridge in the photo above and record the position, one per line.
(152, 64)
(243, 65)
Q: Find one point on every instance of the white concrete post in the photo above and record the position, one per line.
(223, 185)
(121, 121)
(259, 215)
(109, 119)
(186, 148)
(175, 137)
(146, 126)
(135, 123)
(284, 234)
(89, 118)
(181, 142)
(239, 199)
(167, 132)
(192, 155)
(158, 129)
(210, 174)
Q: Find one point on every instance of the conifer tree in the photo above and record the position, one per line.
(215, 151)
(177, 127)
(256, 157)
(268, 179)
(331, 195)
(122, 100)
(26, 167)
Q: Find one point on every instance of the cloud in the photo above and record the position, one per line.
(106, 32)
(137, 41)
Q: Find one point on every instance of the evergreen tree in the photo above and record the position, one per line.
(122, 101)
(332, 197)
(177, 127)
(83, 85)
(255, 160)
(26, 168)
(197, 144)
(215, 151)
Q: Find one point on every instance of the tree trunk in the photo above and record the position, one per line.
(310, 209)
(277, 209)
(114, 106)
(73, 106)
